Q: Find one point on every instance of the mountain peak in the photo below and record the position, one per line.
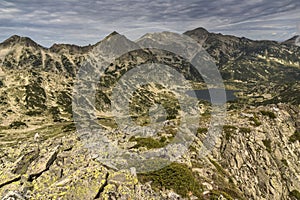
(114, 44)
(292, 41)
(199, 30)
(114, 33)
(200, 34)
(16, 39)
(13, 39)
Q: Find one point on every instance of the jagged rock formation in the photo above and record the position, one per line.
(256, 157)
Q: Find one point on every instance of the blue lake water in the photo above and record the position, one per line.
(214, 95)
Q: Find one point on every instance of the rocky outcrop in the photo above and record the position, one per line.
(253, 159)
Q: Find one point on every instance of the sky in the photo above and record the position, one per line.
(84, 22)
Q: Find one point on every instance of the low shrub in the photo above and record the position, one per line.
(268, 113)
(175, 176)
(255, 121)
(295, 137)
(148, 142)
(245, 130)
(267, 144)
(295, 194)
(18, 124)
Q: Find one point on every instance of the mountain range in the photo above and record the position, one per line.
(256, 156)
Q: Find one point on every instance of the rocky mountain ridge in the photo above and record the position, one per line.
(43, 157)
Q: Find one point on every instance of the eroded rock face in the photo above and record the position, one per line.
(261, 158)
(64, 169)
(57, 172)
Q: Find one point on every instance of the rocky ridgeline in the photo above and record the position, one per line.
(256, 157)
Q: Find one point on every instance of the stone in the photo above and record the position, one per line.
(42, 163)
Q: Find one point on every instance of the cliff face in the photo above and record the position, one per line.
(262, 159)
(43, 157)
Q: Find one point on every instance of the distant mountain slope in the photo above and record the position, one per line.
(244, 64)
(237, 58)
(247, 60)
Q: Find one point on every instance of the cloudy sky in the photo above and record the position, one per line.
(85, 22)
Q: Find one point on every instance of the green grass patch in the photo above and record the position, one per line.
(202, 130)
(107, 122)
(295, 137)
(215, 195)
(268, 113)
(46, 132)
(218, 167)
(228, 130)
(177, 177)
(267, 144)
(148, 142)
(33, 113)
(255, 121)
(54, 110)
(69, 128)
(245, 130)
(17, 124)
(3, 128)
(295, 194)
(284, 161)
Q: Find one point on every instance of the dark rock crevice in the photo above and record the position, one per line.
(10, 181)
(101, 189)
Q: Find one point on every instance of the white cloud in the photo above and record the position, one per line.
(83, 22)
